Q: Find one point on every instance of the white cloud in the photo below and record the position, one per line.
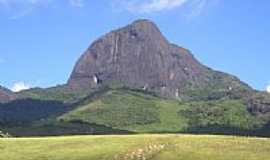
(20, 8)
(150, 6)
(19, 86)
(159, 5)
(76, 3)
(196, 8)
(10, 3)
(268, 88)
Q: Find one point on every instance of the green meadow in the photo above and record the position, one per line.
(136, 147)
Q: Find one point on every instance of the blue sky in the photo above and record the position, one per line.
(40, 40)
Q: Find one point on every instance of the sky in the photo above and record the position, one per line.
(41, 40)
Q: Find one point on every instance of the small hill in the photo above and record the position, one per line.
(60, 93)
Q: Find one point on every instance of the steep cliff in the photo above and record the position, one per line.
(139, 56)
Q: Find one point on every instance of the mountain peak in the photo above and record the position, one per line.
(143, 23)
(141, 29)
(139, 56)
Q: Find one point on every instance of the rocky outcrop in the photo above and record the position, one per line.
(6, 95)
(259, 104)
(139, 56)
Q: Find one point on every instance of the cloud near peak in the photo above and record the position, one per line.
(150, 6)
(20, 86)
(268, 88)
(159, 5)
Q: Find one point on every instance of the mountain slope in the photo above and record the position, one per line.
(117, 111)
(143, 113)
(6, 95)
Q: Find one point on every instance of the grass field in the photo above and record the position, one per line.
(136, 147)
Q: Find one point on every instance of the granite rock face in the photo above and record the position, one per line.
(139, 56)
